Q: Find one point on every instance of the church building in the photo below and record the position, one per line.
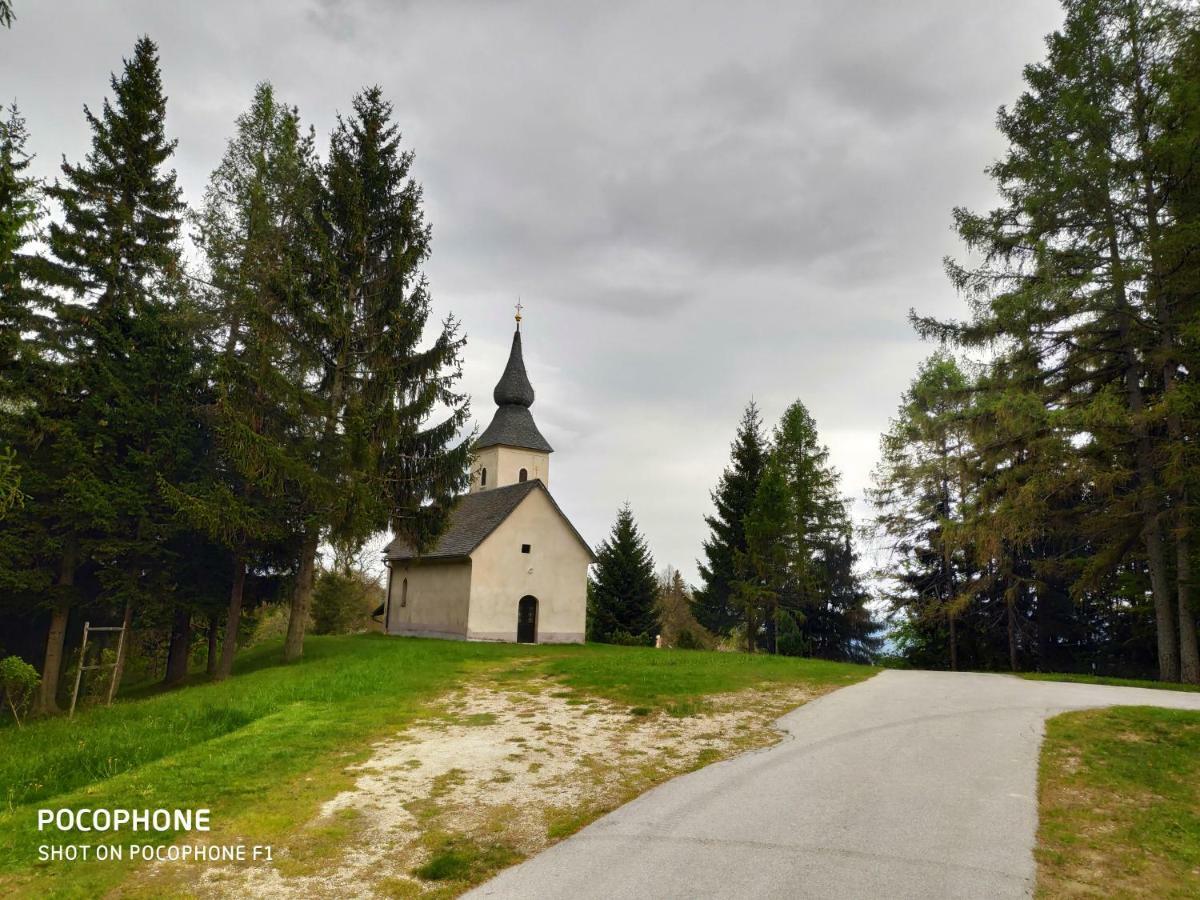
(510, 565)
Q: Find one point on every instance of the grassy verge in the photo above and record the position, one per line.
(1120, 804)
(265, 748)
(1117, 682)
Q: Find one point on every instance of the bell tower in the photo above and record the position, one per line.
(511, 449)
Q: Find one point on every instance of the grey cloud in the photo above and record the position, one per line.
(699, 202)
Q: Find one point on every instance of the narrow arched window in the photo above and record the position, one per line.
(404, 592)
(523, 476)
(483, 477)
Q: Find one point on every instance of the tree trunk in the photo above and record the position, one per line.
(1155, 200)
(1189, 653)
(1149, 504)
(233, 619)
(1156, 558)
(211, 659)
(293, 646)
(181, 644)
(1041, 599)
(123, 650)
(772, 629)
(47, 700)
(953, 645)
(1012, 632)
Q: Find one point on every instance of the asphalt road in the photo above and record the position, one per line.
(911, 784)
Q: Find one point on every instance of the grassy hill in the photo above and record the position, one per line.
(265, 748)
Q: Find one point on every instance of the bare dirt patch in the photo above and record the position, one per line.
(500, 774)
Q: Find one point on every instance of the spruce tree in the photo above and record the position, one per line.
(716, 605)
(123, 422)
(23, 302)
(919, 499)
(762, 568)
(28, 372)
(819, 598)
(623, 589)
(377, 456)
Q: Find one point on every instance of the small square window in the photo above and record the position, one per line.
(525, 548)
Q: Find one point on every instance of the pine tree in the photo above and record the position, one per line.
(377, 459)
(22, 300)
(252, 229)
(821, 600)
(1075, 262)
(27, 368)
(918, 495)
(123, 422)
(716, 606)
(762, 567)
(623, 590)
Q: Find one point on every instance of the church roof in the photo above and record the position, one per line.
(475, 516)
(513, 424)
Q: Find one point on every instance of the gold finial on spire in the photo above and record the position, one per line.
(518, 316)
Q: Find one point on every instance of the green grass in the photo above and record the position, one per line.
(679, 681)
(265, 748)
(456, 858)
(1104, 679)
(1120, 804)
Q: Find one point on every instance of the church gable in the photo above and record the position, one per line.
(535, 517)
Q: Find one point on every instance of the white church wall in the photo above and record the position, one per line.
(504, 465)
(436, 602)
(554, 571)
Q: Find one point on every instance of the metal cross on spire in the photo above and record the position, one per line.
(518, 316)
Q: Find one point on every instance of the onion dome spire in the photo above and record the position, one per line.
(514, 388)
(513, 424)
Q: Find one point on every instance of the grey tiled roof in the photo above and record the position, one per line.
(513, 424)
(475, 516)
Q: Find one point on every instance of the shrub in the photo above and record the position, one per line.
(343, 602)
(789, 640)
(18, 682)
(625, 639)
(677, 624)
(688, 639)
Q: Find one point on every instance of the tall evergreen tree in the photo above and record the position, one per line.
(716, 605)
(919, 495)
(377, 458)
(22, 301)
(123, 421)
(1075, 263)
(252, 229)
(623, 589)
(27, 367)
(762, 568)
(821, 602)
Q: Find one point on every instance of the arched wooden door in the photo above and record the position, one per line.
(527, 620)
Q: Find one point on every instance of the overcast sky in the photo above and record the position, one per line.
(698, 203)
